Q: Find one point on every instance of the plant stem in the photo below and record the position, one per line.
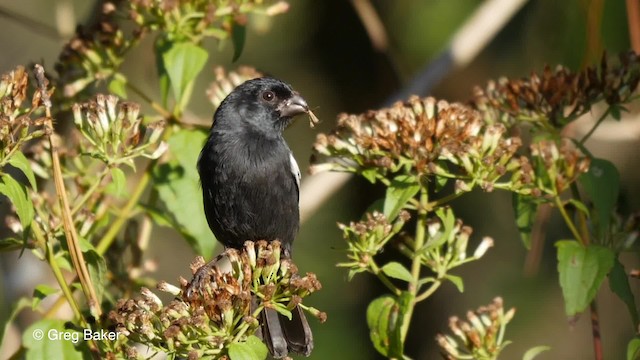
(89, 192)
(71, 234)
(57, 273)
(425, 294)
(595, 331)
(157, 107)
(416, 264)
(595, 126)
(123, 216)
(568, 221)
(383, 278)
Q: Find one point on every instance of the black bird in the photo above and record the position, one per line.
(251, 184)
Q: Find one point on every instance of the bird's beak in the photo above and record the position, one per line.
(295, 105)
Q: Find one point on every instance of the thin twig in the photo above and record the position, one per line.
(71, 234)
(595, 331)
(633, 19)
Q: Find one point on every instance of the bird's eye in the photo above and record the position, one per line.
(268, 96)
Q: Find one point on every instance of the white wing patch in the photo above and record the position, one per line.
(295, 170)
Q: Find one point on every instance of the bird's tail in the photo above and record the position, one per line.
(283, 335)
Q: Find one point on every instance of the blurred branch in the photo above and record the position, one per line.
(633, 17)
(467, 42)
(372, 24)
(595, 9)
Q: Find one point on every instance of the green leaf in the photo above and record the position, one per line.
(178, 186)
(602, 184)
(397, 271)
(535, 351)
(45, 340)
(384, 317)
(525, 208)
(633, 349)
(252, 349)
(238, 36)
(183, 62)
(619, 285)
(39, 293)
(17, 194)
(118, 184)
(582, 270)
(21, 304)
(457, 281)
(10, 244)
(402, 189)
(370, 174)
(19, 161)
(118, 86)
(97, 271)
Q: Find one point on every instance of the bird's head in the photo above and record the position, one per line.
(265, 104)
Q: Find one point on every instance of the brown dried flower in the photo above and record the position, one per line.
(419, 136)
(480, 336)
(216, 308)
(559, 96)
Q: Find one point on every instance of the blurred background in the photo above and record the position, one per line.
(323, 49)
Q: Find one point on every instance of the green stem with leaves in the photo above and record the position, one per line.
(416, 262)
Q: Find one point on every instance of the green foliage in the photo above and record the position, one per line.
(178, 187)
(414, 148)
(95, 229)
(582, 270)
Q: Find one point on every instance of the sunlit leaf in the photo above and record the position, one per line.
(402, 189)
(42, 341)
(252, 349)
(18, 160)
(582, 270)
(183, 62)
(633, 349)
(535, 351)
(397, 271)
(17, 194)
(178, 185)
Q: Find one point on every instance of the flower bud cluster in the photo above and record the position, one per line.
(114, 132)
(366, 238)
(220, 305)
(480, 336)
(447, 242)
(422, 136)
(226, 82)
(18, 122)
(555, 97)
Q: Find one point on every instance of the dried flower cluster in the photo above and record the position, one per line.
(220, 306)
(96, 53)
(206, 18)
(563, 165)
(19, 123)
(112, 130)
(451, 238)
(480, 337)
(559, 96)
(366, 238)
(226, 82)
(420, 136)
